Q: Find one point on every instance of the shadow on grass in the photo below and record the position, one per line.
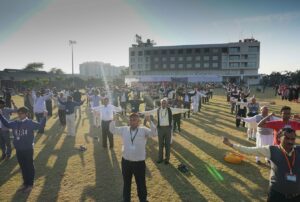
(108, 182)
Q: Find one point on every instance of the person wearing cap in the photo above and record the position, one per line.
(106, 112)
(70, 113)
(133, 163)
(276, 125)
(5, 142)
(284, 182)
(164, 127)
(23, 132)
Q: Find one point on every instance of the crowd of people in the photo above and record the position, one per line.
(168, 104)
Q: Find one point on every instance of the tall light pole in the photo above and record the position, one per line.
(71, 43)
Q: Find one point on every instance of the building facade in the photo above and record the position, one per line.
(208, 62)
(100, 70)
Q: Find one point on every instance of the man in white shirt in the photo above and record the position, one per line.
(39, 106)
(134, 154)
(106, 112)
(164, 127)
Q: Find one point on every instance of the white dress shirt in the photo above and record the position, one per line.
(134, 148)
(39, 105)
(107, 112)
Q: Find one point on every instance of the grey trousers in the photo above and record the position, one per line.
(164, 140)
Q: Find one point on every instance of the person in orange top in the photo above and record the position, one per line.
(280, 124)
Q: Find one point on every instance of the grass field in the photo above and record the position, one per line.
(65, 174)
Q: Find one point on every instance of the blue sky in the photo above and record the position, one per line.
(39, 30)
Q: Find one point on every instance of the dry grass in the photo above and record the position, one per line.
(65, 174)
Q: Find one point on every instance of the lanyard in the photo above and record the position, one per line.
(288, 162)
(132, 138)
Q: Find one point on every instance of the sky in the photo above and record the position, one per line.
(40, 30)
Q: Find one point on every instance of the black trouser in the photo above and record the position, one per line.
(25, 160)
(138, 169)
(49, 107)
(123, 106)
(164, 141)
(275, 196)
(5, 143)
(240, 113)
(39, 117)
(176, 121)
(199, 105)
(106, 133)
(62, 116)
(187, 105)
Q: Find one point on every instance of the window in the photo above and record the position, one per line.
(172, 52)
(172, 66)
(132, 66)
(251, 64)
(140, 59)
(234, 57)
(206, 58)
(180, 58)
(244, 57)
(198, 58)
(147, 59)
(252, 56)
(189, 65)
(234, 64)
(155, 52)
(132, 53)
(148, 52)
(206, 50)
(164, 59)
(215, 57)
(140, 53)
(189, 51)
(180, 65)
(156, 59)
(197, 65)
(180, 51)
(140, 66)
(132, 59)
(215, 50)
(165, 66)
(224, 50)
(147, 66)
(234, 49)
(197, 50)
(189, 58)
(253, 48)
(172, 59)
(206, 65)
(164, 52)
(243, 64)
(224, 64)
(215, 65)
(225, 58)
(156, 66)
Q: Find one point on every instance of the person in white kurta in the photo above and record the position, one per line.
(264, 136)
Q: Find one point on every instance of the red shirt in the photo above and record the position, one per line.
(278, 125)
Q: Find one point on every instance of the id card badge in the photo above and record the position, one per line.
(291, 177)
(132, 147)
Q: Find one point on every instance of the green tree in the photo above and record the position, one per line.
(35, 66)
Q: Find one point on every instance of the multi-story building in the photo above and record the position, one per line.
(207, 62)
(100, 70)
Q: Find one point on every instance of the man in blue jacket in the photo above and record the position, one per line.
(23, 132)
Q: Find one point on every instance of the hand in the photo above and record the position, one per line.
(238, 117)
(227, 142)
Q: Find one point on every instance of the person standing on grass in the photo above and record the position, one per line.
(106, 116)
(70, 113)
(61, 109)
(23, 132)
(284, 183)
(187, 100)
(77, 98)
(39, 106)
(276, 125)
(4, 131)
(164, 127)
(134, 139)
